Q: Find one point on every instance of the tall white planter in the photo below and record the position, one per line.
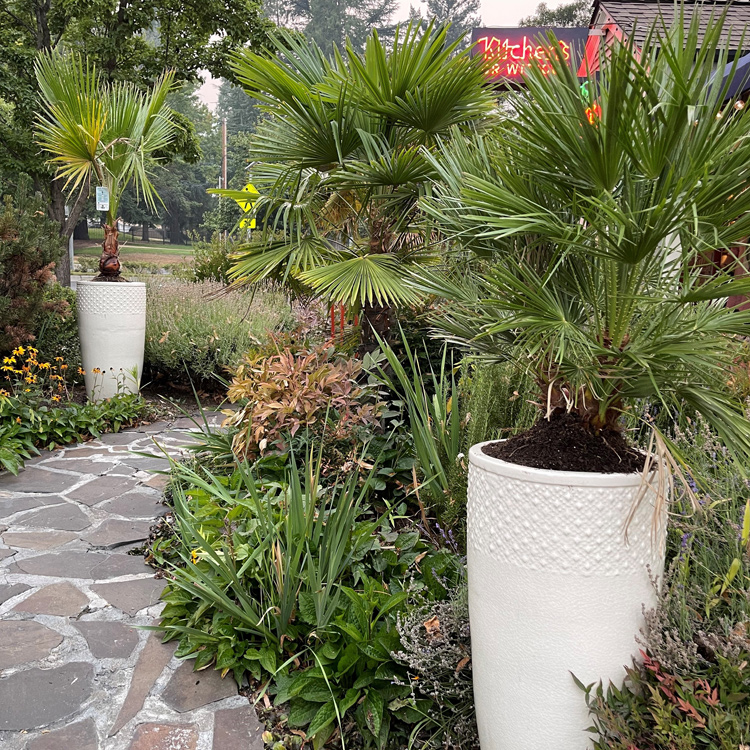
(112, 328)
(553, 589)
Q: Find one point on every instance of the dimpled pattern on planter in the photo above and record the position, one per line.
(561, 528)
(113, 298)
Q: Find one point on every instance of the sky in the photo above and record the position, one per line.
(494, 13)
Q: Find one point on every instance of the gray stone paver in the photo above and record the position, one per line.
(75, 669)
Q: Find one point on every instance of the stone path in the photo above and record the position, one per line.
(75, 674)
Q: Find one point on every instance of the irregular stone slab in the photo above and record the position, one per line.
(187, 690)
(131, 596)
(6, 553)
(11, 504)
(39, 540)
(119, 438)
(115, 533)
(79, 736)
(61, 599)
(102, 488)
(35, 479)
(152, 429)
(150, 463)
(136, 505)
(23, 641)
(151, 662)
(66, 517)
(158, 482)
(9, 590)
(164, 737)
(108, 640)
(237, 729)
(94, 450)
(186, 423)
(82, 465)
(40, 697)
(180, 438)
(72, 564)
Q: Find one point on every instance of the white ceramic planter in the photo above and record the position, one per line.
(112, 328)
(553, 589)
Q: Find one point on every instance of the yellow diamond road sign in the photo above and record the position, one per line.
(247, 205)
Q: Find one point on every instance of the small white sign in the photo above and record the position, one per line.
(102, 199)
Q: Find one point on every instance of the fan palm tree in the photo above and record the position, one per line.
(341, 158)
(593, 221)
(103, 134)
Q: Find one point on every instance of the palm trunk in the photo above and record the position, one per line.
(376, 319)
(109, 263)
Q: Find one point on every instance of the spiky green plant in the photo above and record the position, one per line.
(102, 134)
(593, 221)
(341, 159)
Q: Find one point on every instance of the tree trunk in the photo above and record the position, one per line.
(57, 213)
(81, 232)
(144, 232)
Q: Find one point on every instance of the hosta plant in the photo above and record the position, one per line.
(593, 215)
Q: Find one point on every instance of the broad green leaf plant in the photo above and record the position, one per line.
(102, 134)
(341, 158)
(592, 220)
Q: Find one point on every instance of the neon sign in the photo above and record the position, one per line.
(509, 53)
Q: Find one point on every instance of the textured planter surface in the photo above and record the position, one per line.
(554, 589)
(112, 327)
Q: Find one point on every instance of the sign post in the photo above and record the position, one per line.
(102, 199)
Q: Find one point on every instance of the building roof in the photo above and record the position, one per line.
(642, 14)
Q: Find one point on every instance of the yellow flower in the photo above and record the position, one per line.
(9, 360)
(59, 359)
(194, 557)
(55, 398)
(63, 367)
(18, 419)
(44, 365)
(19, 350)
(3, 392)
(96, 371)
(81, 372)
(33, 351)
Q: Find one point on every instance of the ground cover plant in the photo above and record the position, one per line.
(38, 410)
(194, 332)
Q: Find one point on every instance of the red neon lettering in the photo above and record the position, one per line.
(510, 58)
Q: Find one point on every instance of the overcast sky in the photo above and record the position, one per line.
(494, 13)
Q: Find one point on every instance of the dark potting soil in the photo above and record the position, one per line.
(563, 443)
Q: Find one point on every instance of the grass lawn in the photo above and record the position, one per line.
(135, 248)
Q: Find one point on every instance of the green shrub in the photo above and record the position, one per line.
(210, 261)
(300, 583)
(57, 329)
(190, 331)
(29, 247)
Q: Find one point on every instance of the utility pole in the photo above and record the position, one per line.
(224, 161)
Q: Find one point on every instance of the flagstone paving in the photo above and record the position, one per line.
(75, 671)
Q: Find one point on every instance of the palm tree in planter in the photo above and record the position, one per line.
(342, 156)
(109, 136)
(591, 219)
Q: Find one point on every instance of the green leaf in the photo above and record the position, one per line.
(373, 707)
(323, 718)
